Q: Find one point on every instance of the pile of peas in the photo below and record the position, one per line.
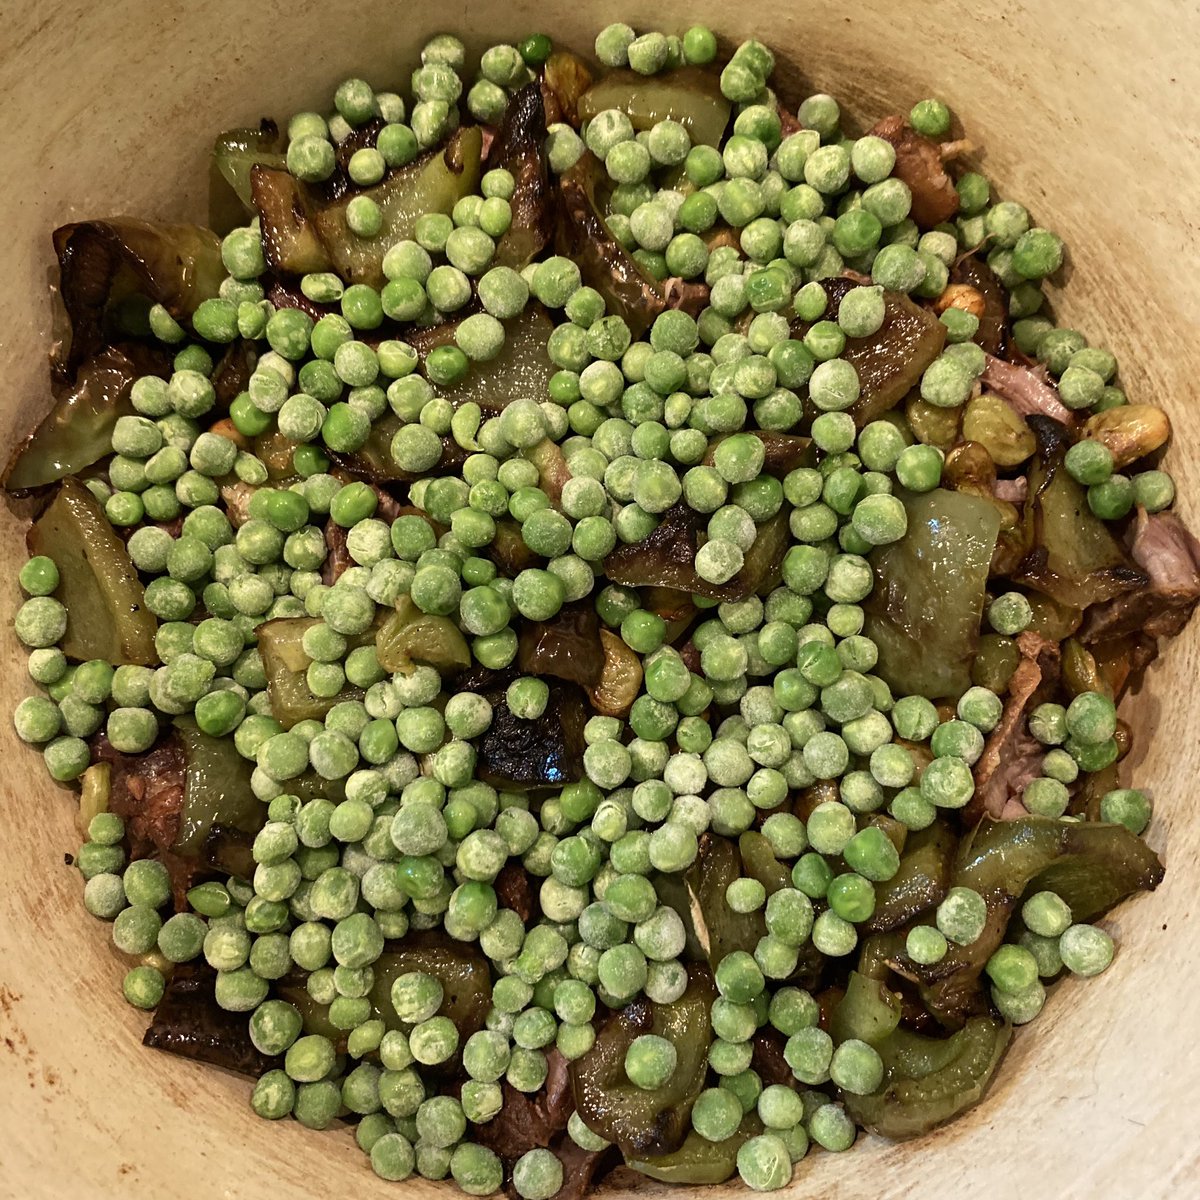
(419, 839)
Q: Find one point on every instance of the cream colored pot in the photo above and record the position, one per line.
(1087, 112)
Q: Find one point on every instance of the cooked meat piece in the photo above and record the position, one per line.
(690, 297)
(1170, 555)
(527, 1121)
(146, 791)
(919, 164)
(1027, 389)
(1013, 491)
(513, 890)
(582, 1168)
(1011, 755)
(338, 558)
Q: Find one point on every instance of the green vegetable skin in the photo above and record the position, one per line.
(462, 972)
(689, 95)
(177, 266)
(697, 1161)
(929, 593)
(522, 368)
(302, 233)
(929, 1080)
(285, 662)
(106, 613)
(216, 790)
(409, 635)
(890, 361)
(920, 883)
(1097, 865)
(1075, 559)
(698, 896)
(77, 431)
(639, 1121)
(235, 153)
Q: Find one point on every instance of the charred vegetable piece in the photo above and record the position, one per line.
(77, 431)
(620, 678)
(1130, 431)
(1001, 860)
(518, 148)
(565, 78)
(460, 968)
(583, 235)
(929, 1080)
(408, 635)
(667, 558)
(567, 646)
(216, 790)
(303, 232)
(689, 95)
(177, 266)
(286, 664)
(783, 452)
(508, 550)
(234, 153)
(763, 567)
(542, 753)
(189, 1022)
(521, 369)
(675, 608)
(647, 1122)
(1075, 559)
(373, 459)
(147, 792)
(698, 1161)
(921, 882)
(106, 612)
(924, 613)
(891, 361)
(698, 896)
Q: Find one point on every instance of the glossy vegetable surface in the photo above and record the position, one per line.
(304, 232)
(107, 614)
(925, 611)
(646, 1122)
(690, 95)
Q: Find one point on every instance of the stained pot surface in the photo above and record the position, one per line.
(1086, 112)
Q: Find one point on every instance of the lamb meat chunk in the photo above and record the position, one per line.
(919, 164)
(1027, 389)
(1170, 555)
(1011, 755)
